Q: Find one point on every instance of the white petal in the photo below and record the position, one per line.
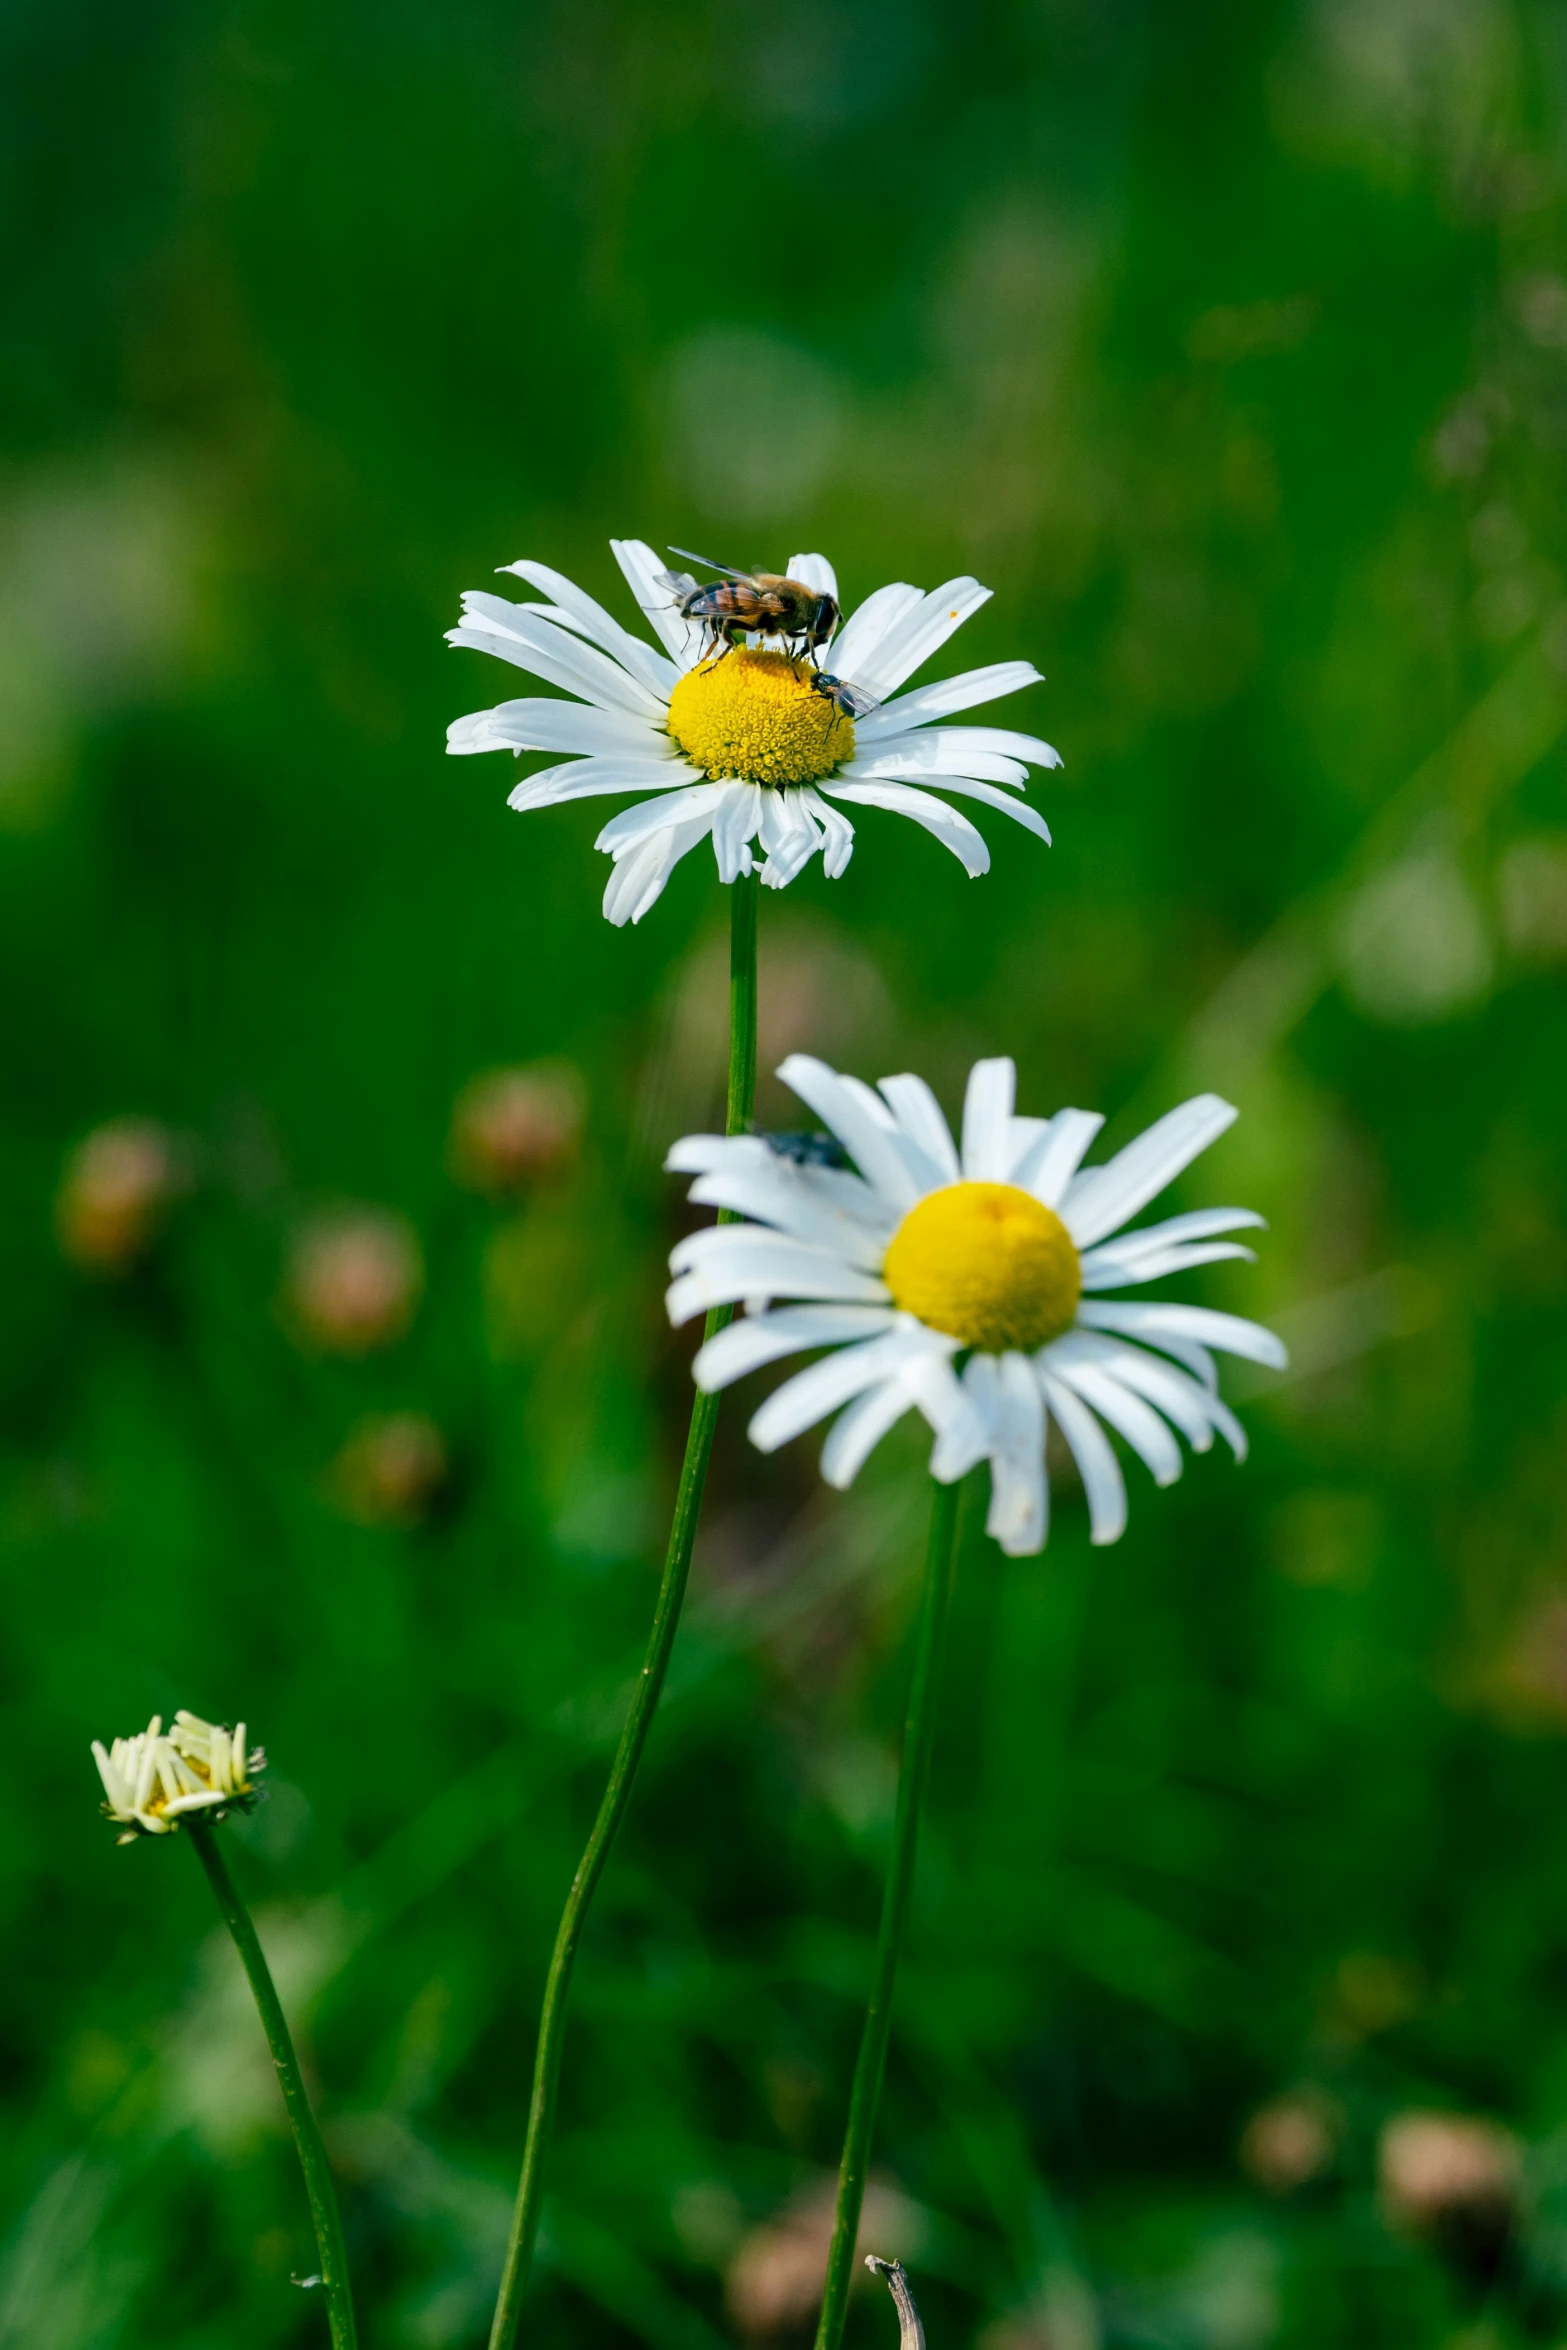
(1154, 1324)
(919, 1115)
(916, 757)
(1105, 1197)
(593, 779)
(864, 630)
(1015, 1408)
(953, 831)
(789, 836)
(1019, 810)
(697, 805)
(954, 746)
(837, 831)
(961, 1436)
(917, 633)
(737, 817)
(1196, 1411)
(534, 643)
(857, 1431)
(1103, 1484)
(637, 882)
(873, 1145)
(1051, 1168)
(987, 1117)
(811, 1394)
(776, 1195)
(1127, 1413)
(942, 698)
(737, 1261)
(534, 724)
(814, 572)
(1200, 1224)
(1104, 1268)
(1025, 1138)
(656, 672)
(644, 573)
(765, 1338)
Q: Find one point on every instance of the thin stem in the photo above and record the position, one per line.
(644, 1703)
(307, 2135)
(918, 1739)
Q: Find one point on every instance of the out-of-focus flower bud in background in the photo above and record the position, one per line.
(390, 1470)
(774, 2281)
(116, 1191)
(514, 1128)
(1454, 2178)
(1291, 2140)
(353, 1280)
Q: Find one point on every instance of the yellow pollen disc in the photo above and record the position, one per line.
(986, 1263)
(757, 716)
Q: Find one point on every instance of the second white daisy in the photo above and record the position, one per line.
(968, 1284)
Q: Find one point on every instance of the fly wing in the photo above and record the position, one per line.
(853, 700)
(679, 583)
(709, 564)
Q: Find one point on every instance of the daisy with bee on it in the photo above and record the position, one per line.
(758, 720)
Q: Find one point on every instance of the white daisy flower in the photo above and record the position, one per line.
(151, 1781)
(969, 1284)
(746, 747)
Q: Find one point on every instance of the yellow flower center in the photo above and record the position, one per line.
(759, 717)
(986, 1263)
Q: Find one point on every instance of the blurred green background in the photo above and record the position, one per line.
(1229, 344)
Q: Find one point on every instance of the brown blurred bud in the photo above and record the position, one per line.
(354, 1277)
(118, 1186)
(512, 1128)
(390, 1469)
(1454, 2176)
(1290, 2140)
(775, 2279)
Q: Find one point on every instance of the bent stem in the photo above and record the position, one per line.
(644, 1703)
(307, 2135)
(918, 1739)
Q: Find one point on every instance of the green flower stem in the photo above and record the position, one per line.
(644, 1703)
(307, 2135)
(918, 1739)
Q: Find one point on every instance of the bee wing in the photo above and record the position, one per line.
(679, 583)
(707, 560)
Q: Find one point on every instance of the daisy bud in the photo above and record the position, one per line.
(117, 1188)
(390, 1469)
(512, 1128)
(1452, 2176)
(155, 1779)
(1290, 2141)
(353, 1280)
(775, 2280)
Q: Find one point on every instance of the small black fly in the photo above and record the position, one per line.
(807, 1150)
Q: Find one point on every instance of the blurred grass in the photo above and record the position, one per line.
(1230, 345)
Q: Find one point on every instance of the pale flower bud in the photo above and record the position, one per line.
(1438, 2169)
(390, 1469)
(154, 1780)
(117, 1188)
(512, 1128)
(1291, 2140)
(353, 1280)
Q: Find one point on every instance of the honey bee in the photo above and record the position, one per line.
(739, 604)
